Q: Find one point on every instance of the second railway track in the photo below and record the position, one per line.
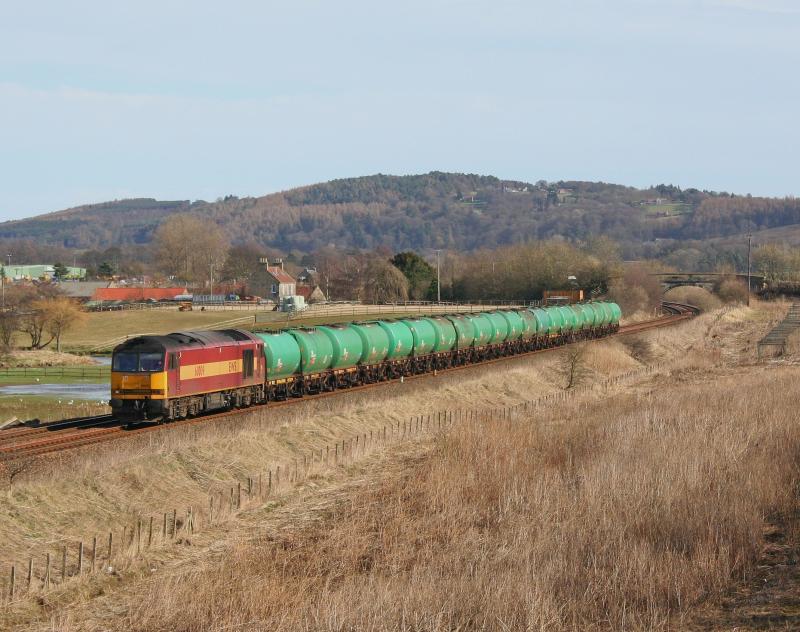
(29, 442)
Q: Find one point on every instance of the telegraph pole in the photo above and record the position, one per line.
(749, 260)
(438, 279)
(211, 290)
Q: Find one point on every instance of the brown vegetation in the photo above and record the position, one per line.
(636, 290)
(623, 509)
(187, 247)
(624, 517)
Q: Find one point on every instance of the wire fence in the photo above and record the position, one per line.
(123, 544)
(357, 310)
(87, 372)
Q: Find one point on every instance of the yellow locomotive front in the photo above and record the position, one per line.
(139, 379)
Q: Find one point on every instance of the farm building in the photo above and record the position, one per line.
(312, 294)
(40, 272)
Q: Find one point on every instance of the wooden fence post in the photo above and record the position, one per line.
(164, 529)
(63, 564)
(174, 522)
(94, 552)
(238, 495)
(46, 578)
(30, 572)
(13, 581)
(269, 483)
(150, 533)
(80, 557)
(110, 547)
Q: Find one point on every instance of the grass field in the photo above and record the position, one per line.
(627, 508)
(103, 327)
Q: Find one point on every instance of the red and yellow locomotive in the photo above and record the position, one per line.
(186, 373)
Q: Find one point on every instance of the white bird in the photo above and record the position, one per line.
(70, 402)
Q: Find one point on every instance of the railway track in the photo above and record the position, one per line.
(37, 441)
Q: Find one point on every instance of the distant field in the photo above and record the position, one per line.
(102, 328)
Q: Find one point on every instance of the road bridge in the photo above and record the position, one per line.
(705, 280)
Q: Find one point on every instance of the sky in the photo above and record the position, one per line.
(193, 99)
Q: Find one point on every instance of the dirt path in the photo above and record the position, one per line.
(770, 599)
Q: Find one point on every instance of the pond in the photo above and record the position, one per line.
(96, 392)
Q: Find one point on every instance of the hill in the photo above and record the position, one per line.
(434, 210)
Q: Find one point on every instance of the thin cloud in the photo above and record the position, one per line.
(775, 7)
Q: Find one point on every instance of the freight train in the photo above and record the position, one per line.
(183, 374)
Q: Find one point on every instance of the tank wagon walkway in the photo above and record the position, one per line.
(775, 340)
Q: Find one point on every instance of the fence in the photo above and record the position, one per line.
(89, 372)
(124, 544)
(357, 310)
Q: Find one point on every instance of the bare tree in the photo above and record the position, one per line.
(187, 246)
(572, 366)
(9, 324)
(34, 323)
(384, 283)
(62, 314)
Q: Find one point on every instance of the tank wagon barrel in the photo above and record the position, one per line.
(184, 374)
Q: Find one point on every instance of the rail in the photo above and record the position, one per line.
(39, 444)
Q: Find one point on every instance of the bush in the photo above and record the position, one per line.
(732, 291)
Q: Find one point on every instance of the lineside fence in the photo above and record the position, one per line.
(123, 545)
(94, 372)
(358, 310)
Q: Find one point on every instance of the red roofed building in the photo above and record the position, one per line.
(280, 283)
(137, 294)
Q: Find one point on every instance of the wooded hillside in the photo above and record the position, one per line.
(436, 210)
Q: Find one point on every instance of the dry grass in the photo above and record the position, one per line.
(100, 327)
(42, 357)
(619, 514)
(624, 518)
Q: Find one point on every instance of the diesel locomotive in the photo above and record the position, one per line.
(183, 374)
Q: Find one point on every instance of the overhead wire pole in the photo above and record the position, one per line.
(438, 279)
(749, 260)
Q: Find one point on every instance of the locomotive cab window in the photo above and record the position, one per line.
(127, 362)
(247, 363)
(173, 361)
(150, 362)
